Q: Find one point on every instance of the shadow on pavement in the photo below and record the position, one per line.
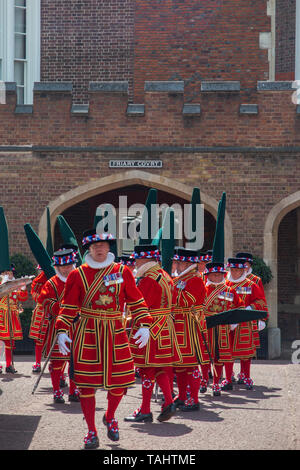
(16, 431)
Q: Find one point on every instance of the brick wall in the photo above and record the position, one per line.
(254, 183)
(86, 40)
(193, 41)
(285, 39)
(83, 41)
(163, 124)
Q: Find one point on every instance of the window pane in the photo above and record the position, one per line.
(20, 20)
(20, 46)
(19, 73)
(20, 95)
(20, 3)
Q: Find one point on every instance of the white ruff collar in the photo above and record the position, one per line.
(240, 279)
(187, 270)
(97, 265)
(139, 272)
(208, 283)
(62, 278)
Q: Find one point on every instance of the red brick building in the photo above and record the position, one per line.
(205, 88)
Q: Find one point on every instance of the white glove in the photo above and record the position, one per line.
(62, 339)
(143, 335)
(261, 325)
(233, 326)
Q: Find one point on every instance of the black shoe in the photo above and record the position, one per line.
(139, 418)
(91, 441)
(203, 389)
(249, 384)
(0, 369)
(227, 386)
(58, 397)
(74, 397)
(62, 382)
(178, 403)
(112, 429)
(241, 379)
(11, 370)
(167, 413)
(193, 407)
(216, 390)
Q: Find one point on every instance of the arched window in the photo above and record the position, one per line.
(20, 45)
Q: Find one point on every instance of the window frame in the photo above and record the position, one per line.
(297, 41)
(33, 44)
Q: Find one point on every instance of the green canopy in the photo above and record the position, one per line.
(218, 255)
(146, 222)
(168, 240)
(39, 252)
(157, 239)
(236, 315)
(49, 242)
(195, 200)
(5, 264)
(68, 235)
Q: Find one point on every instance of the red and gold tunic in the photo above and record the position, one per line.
(10, 324)
(256, 279)
(101, 353)
(220, 298)
(162, 348)
(188, 299)
(245, 336)
(50, 299)
(39, 322)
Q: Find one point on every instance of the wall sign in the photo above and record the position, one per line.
(135, 164)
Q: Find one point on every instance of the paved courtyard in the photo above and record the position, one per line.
(266, 418)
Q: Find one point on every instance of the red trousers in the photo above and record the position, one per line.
(217, 372)
(88, 405)
(56, 369)
(188, 376)
(163, 376)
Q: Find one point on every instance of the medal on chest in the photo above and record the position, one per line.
(115, 278)
(243, 290)
(180, 285)
(226, 296)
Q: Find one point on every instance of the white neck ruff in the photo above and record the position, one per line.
(240, 279)
(187, 270)
(142, 269)
(97, 265)
(62, 278)
(208, 283)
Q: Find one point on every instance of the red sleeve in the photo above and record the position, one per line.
(37, 285)
(71, 302)
(258, 299)
(135, 300)
(22, 295)
(48, 299)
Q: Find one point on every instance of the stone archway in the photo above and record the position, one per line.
(273, 221)
(131, 177)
